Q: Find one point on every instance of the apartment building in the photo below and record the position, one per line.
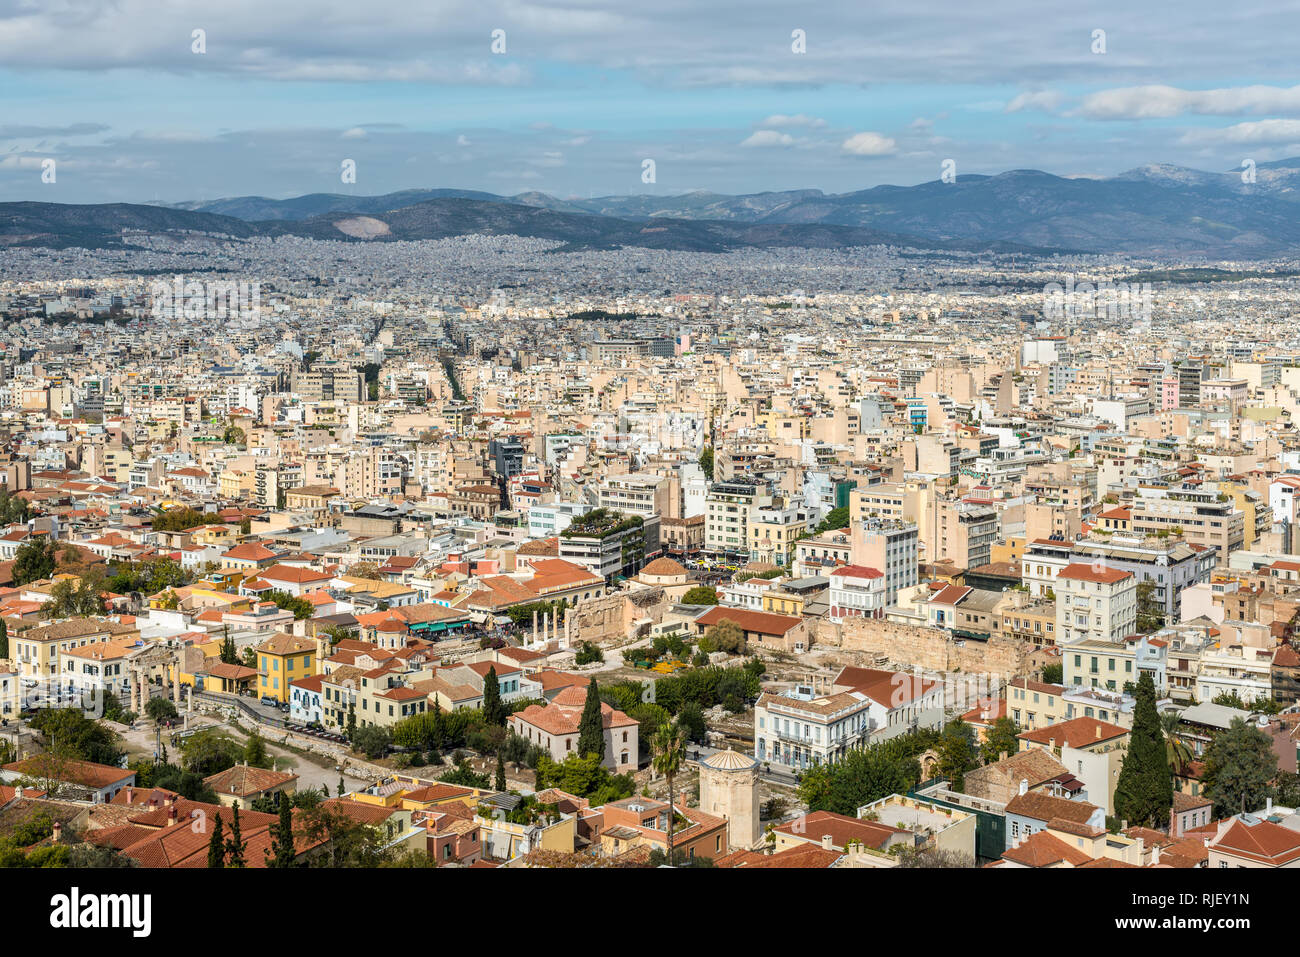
(1094, 604)
(773, 531)
(1113, 666)
(1202, 517)
(727, 508)
(892, 547)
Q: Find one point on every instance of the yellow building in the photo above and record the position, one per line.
(281, 660)
(1010, 550)
(783, 603)
(35, 652)
(1258, 515)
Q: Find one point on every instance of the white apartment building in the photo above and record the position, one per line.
(726, 523)
(856, 592)
(890, 547)
(1094, 604)
(549, 519)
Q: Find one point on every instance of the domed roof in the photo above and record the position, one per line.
(730, 760)
(663, 567)
(572, 696)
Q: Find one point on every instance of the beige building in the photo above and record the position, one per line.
(1094, 604)
(729, 789)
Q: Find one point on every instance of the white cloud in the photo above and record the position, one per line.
(1045, 100)
(1158, 102)
(1246, 134)
(765, 138)
(800, 120)
(356, 133)
(869, 144)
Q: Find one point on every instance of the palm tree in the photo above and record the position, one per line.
(1177, 751)
(669, 746)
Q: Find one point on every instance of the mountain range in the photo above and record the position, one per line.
(1155, 210)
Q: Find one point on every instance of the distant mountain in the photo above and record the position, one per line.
(58, 226)
(441, 218)
(110, 225)
(261, 209)
(1153, 210)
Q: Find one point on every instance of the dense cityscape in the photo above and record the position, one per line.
(476, 553)
(523, 437)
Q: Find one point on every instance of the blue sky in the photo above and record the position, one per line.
(714, 93)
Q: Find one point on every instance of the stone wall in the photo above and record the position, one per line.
(613, 617)
(928, 648)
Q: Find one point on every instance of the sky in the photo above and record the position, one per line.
(173, 100)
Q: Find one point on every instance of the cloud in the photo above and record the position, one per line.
(1045, 100)
(356, 133)
(18, 131)
(1159, 102)
(869, 144)
(767, 138)
(1255, 133)
(781, 121)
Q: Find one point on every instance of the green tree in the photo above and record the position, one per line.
(76, 737)
(691, 719)
(1053, 674)
(372, 740)
(1144, 792)
(235, 844)
(217, 845)
(302, 609)
(1177, 752)
(726, 636)
(255, 754)
(1000, 739)
(591, 726)
(351, 728)
(210, 752)
(159, 710)
(669, 748)
(1240, 765)
(494, 712)
(1150, 613)
(866, 774)
(500, 783)
(34, 560)
(13, 510)
(700, 595)
(4, 640)
(282, 853)
(588, 653)
(229, 654)
(957, 753)
(706, 462)
(69, 600)
(835, 518)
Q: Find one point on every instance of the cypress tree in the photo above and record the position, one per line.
(217, 846)
(500, 782)
(591, 729)
(1144, 792)
(4, 640)
(236, 844)
(281, 853)
(494, 712)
